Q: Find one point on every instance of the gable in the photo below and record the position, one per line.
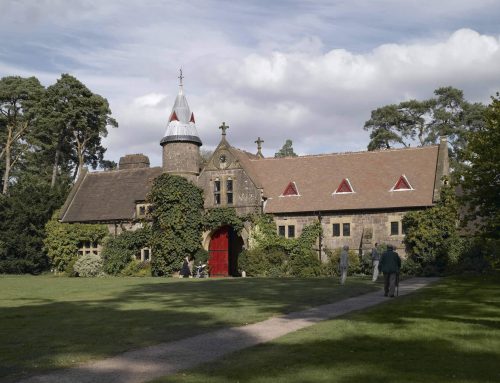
(290, 190)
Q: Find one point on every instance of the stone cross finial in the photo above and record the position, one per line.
(180, 77)
(223, 127)
(259, 146)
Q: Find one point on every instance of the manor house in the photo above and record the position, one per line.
(358, 197)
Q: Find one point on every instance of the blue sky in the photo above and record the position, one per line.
(311, 71)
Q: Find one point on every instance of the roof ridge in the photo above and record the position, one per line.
(122, 170)
(347, 153)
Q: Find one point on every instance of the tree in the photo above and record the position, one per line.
(446, 114)
(431, 236)
(18, 98)
(481, 173)
(74, 121)
(177, 207)
(286, 150)
(23, 215)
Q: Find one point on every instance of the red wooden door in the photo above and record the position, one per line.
(218, 250)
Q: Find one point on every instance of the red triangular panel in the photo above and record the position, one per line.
(344, 187)
(173, 117)
(192, 118)
(402, 184)
(291, 189)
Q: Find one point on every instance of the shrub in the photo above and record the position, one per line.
(332, 265)
(262, 262)
(137, 269)
(88, 265)
(305, 263)
(119, 251)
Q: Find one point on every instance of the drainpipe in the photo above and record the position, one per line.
(320, 239)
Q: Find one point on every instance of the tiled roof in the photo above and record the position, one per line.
(108, 196)
(371, 174)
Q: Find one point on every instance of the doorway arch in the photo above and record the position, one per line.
(223, 250)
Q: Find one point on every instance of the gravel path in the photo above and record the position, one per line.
(164, 359)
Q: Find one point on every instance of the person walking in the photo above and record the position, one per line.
(389, 264)
(344, 264)
(375, 262)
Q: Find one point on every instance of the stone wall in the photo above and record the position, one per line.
(366, 228)
(182, 158)
(246, 197)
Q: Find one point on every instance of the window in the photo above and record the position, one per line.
(336, 229)
(229, 191)
(402, 184)
(217, 192)
(291, 231)
(394, 228)
(346, 229)
(290, 190)
(88, 247)
(144, 255)
(281, 231)
(344, 187)
(143, 209)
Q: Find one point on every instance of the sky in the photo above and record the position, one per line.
(309, 71)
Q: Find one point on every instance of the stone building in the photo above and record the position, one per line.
(360, 198)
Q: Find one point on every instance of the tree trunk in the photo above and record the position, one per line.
(56, 165)
(7, 165)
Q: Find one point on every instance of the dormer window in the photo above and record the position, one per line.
(402, 184)
(344, 187)
(290, 190)
(142, 210)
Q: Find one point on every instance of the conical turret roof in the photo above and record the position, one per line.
(181, 124)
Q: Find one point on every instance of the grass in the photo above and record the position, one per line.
(449, 332)
(50, 322)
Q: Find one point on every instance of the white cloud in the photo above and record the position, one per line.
(308, 71)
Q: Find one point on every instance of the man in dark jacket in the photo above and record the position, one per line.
(389, 264)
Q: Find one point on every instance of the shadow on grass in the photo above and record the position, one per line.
(445, 333)
(48, 334)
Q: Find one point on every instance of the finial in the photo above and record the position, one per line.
(259, 146)
(180, 77)
(223, 127)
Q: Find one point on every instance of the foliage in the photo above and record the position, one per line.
(331, 267)
(63, 239)
(23, 215)
(432, 239)
(120, 250)
(18, 98)
(286, 150)
(137, 268)
(73, 121)
(177, 222)
(88, 265)
(446, 114)
(273, 255)
(222, 216)
(481, 174)
(264, 262)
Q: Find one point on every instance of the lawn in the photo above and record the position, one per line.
(49, 322)
(449, 332)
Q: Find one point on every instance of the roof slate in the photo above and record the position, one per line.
(371, 174)
(109, 196)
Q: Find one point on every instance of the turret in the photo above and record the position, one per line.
(181, 144)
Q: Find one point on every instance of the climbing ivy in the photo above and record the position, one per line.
(274, 255)
(62, 240)
(177, 226)
(119, 251)
(221, 216)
